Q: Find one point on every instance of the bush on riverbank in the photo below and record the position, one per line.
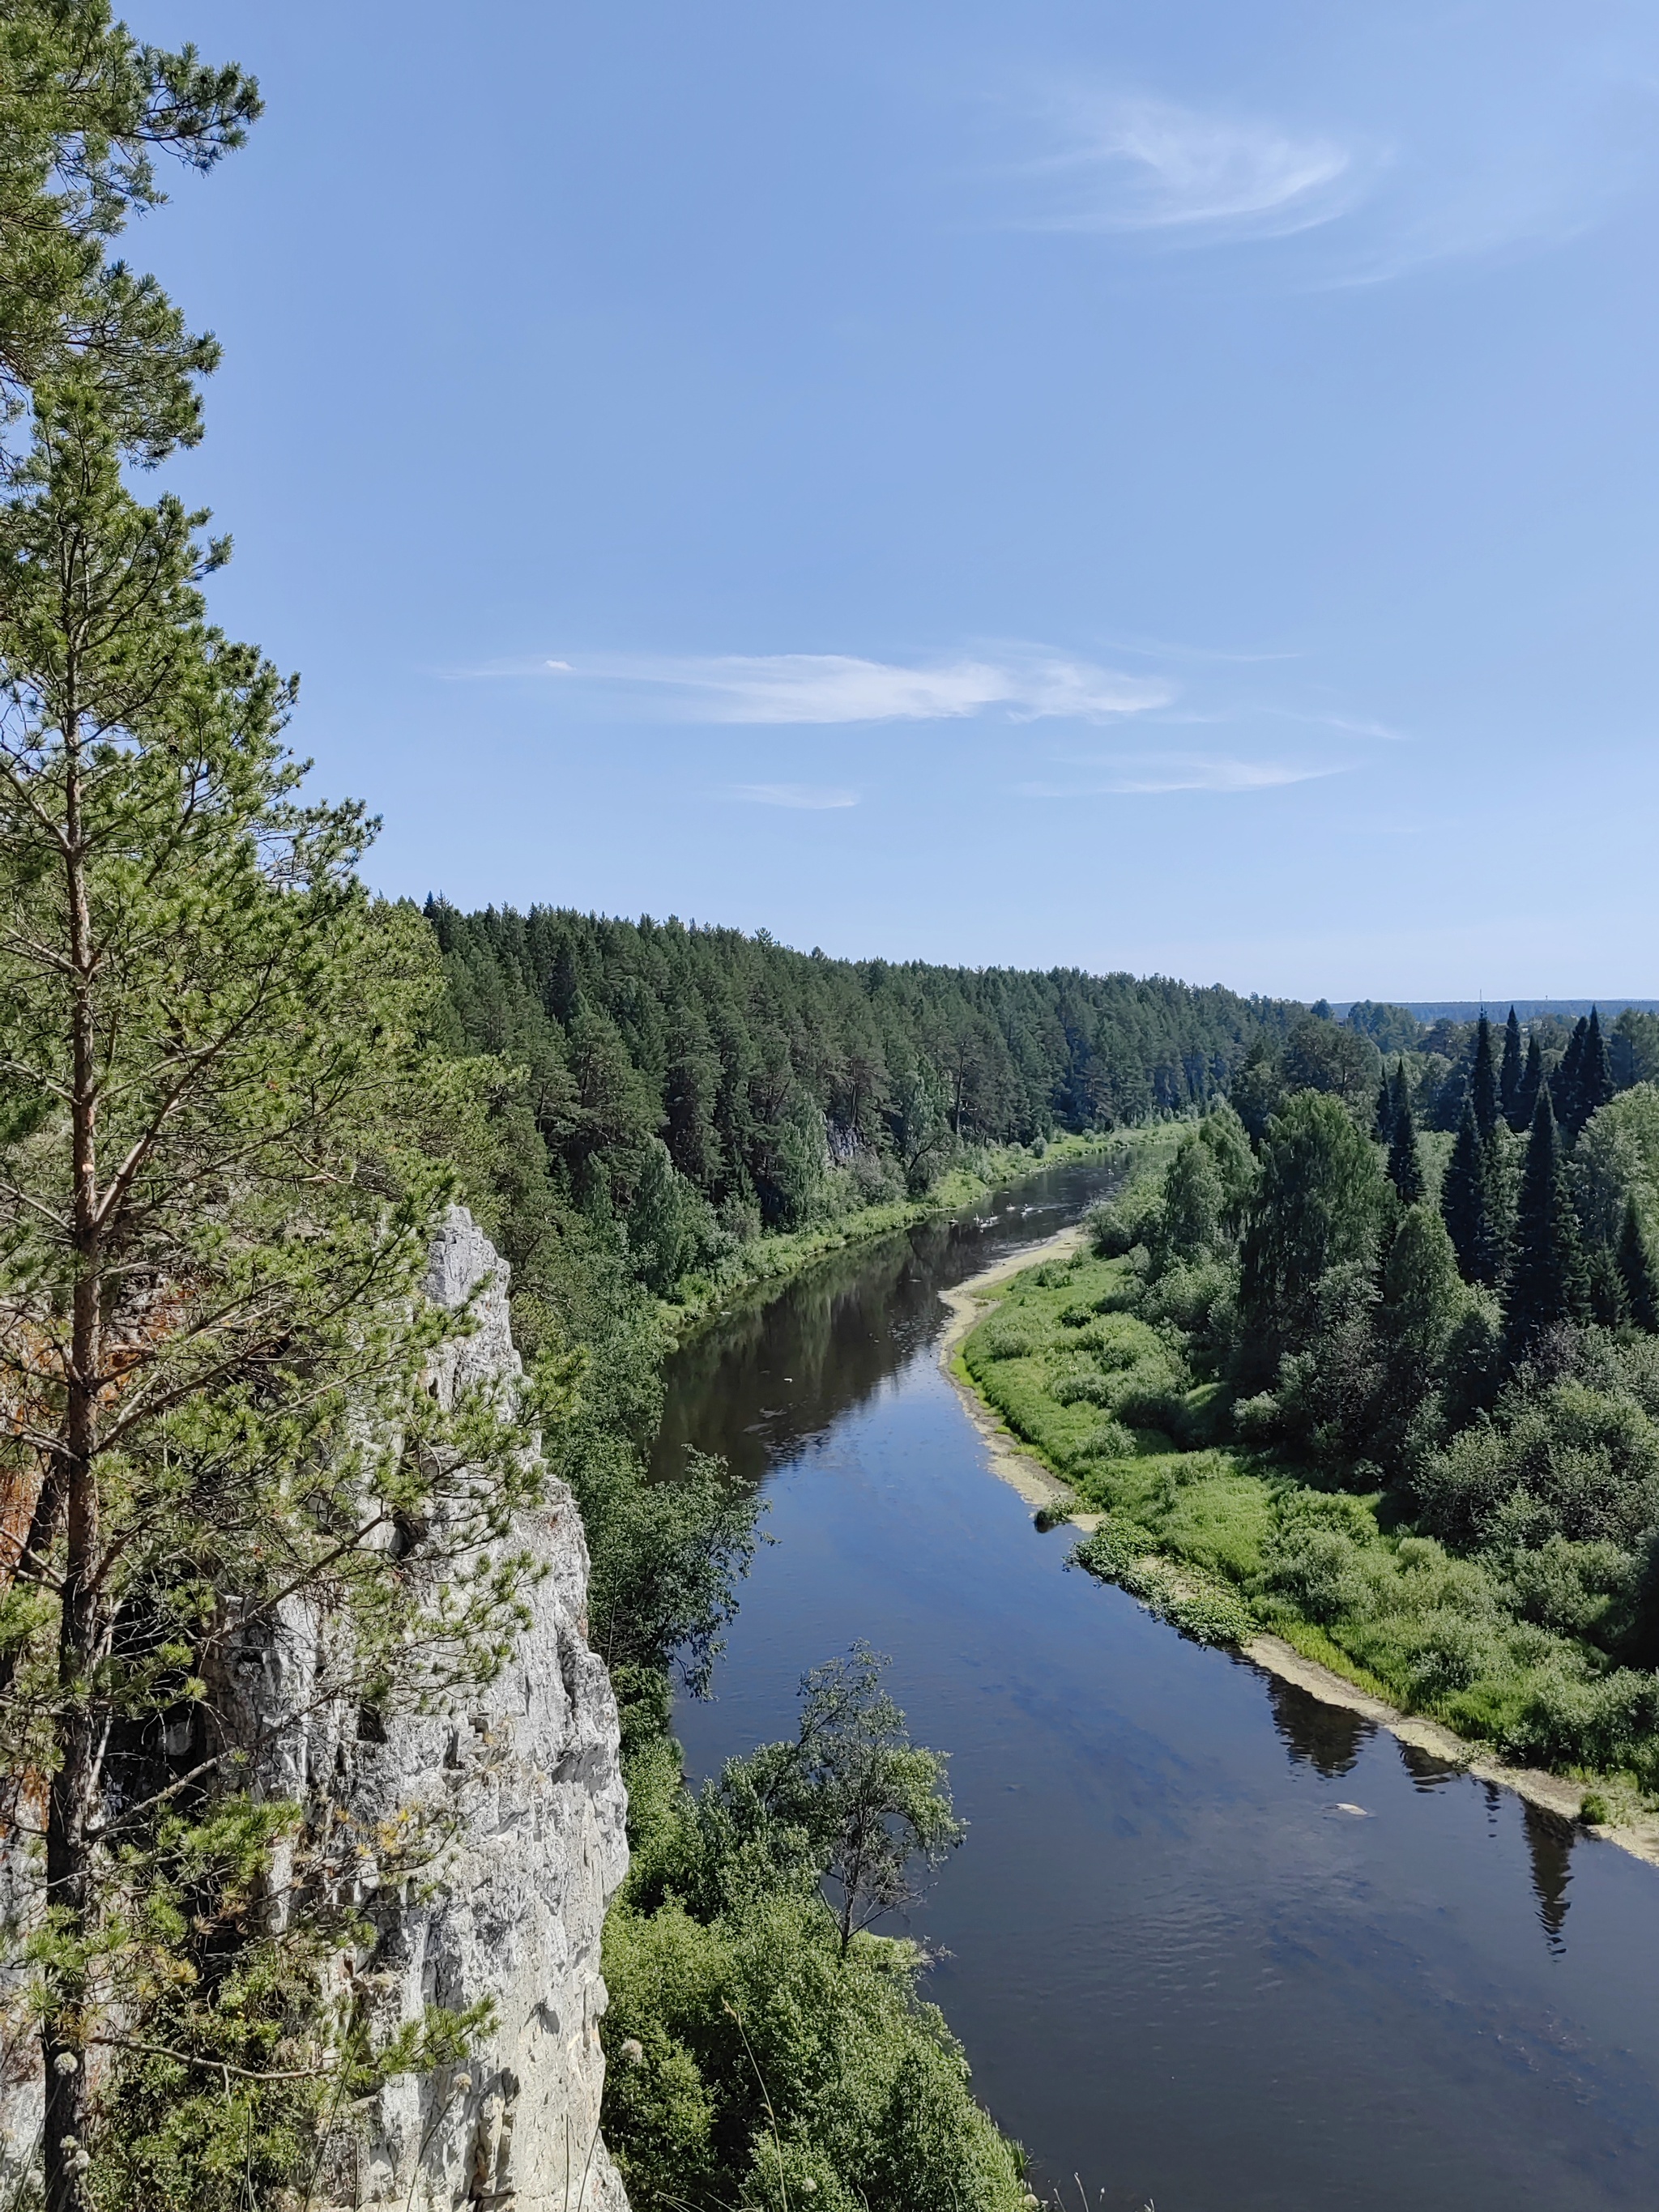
(1524, 1644)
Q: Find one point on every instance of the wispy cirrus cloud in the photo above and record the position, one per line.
(828, 688)
(1132, 163)
(812, 798)
(1411, 138)
(1146, 776)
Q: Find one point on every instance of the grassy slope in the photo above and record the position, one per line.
(1192, 1526)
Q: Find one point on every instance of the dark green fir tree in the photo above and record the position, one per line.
(1382, 1113)
(1636, 1272)
(1532, 1082)
(1512, 1070)
(1595, 1073)
(1405, 1168)
(1564, 1084)
(1548, 1281)
(1483, 1083)
(1466, 1204)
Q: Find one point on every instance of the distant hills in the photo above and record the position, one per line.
(1467, 1010)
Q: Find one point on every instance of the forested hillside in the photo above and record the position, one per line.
(781, 1082)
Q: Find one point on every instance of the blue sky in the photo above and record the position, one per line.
(1167, 486)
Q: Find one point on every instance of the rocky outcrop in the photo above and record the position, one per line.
(525, 1785)
(529, 1774)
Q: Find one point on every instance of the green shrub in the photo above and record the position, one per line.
(746, 2057)
(1571, 1718)
(1082, 1386)
(1008, 1337)
(1131, 1219)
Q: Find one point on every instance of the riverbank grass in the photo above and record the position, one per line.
(1228, 1543)
(765, 1263)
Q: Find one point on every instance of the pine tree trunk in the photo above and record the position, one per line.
(73, 1800)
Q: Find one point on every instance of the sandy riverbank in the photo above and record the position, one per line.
(1016, 1464)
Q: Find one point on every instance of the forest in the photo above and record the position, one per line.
(699, 1087)
(1379, 1366)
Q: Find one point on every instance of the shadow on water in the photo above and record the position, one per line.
(1210, 1942)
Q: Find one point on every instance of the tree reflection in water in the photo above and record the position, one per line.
(1550, 1842)
(1328, 1738)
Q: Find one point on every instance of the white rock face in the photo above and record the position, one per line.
(532, 1771)
(511, 1912)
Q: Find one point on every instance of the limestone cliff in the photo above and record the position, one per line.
(527, 1781)
(531, 1773)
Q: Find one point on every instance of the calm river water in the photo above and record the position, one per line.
(1184, 1970)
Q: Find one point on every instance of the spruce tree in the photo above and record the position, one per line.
(1595, 1073)
(1564, 1084)
(1532, 1081)
(1509, 1074)
(1465, 1205)
(1549, 1282)
(1382, 1112)
(1405, 1168)
(1636, 1272)
(1483, 1083)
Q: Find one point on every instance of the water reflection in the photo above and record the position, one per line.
(1427, 1769)
(773, 1374)
(1328, 1738)
(1549, 1841)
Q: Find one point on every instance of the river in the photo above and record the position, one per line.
(1210, 1945)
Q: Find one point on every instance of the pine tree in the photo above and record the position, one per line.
(1595, 1073)
(1405, 1168)
(217, 1209)
(1549, 1282)
(1564, 1084)
(1483, 1083)
(1635, 1272)
(1532, 1082)
(1510, 1075)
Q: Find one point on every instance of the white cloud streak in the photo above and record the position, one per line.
(813, 798)
(1140, 164)
(1151, 777)
(828, 688)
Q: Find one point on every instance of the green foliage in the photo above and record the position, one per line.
(1634, 1051)
(83, 111)
(220, 1137)
(1473, 1202)
(790, 1088)
(1321, 1201)
(1489, 1558)
(1510, 1073)
(1483, 1083)
(665, 1558)
(1635, 1274)
(1532, 1082)
(1404, 1167)
(1548, 1282)
(760, 2050)
(1390, 1028)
